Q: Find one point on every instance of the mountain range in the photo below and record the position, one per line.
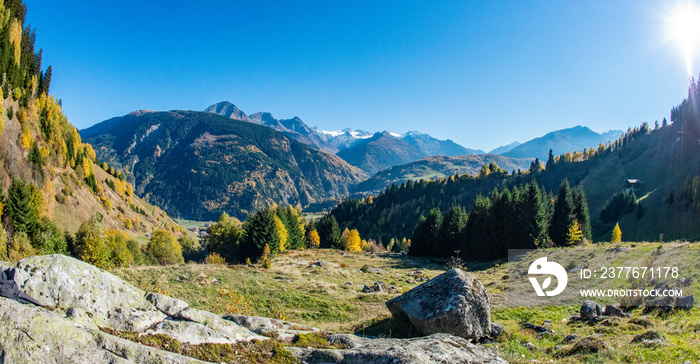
(560, 142)
(372, 152)
(197, 165)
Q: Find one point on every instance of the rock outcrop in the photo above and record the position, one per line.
(88, 310)
(436, 348)
(454, 302)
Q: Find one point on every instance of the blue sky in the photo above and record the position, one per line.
(482, 73)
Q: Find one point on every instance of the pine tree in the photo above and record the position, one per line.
(21, 207)
(616, 234)
(421, 235)
(479, 230)
(259, 230)
(329, 232)
(563, 214)
(581, 211)
(452, 232)
(535, 219)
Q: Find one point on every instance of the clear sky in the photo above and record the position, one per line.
(482, 73)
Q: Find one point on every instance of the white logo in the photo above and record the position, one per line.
(542, 266)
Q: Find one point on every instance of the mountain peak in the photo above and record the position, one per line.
(227, 109)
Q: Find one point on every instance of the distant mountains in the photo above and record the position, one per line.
(560, 142)
(370, 152)
(197, 165)
(505, 148)
(440, 167)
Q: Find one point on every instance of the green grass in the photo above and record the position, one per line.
(320, 297)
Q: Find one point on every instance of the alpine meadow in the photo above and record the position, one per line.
(372, 226)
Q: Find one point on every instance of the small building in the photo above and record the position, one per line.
(633, 184)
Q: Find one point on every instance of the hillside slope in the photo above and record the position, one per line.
(197, 165)
(439, 167)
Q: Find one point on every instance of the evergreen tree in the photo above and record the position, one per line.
(21, 207)
(581, 211)
(329, 233)
(421, 236)
(479, 230)
(259, 230)
(295, 227)
(452, 231)
(534, 217)
(563, 214)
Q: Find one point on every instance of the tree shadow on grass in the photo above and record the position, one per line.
(387, 327)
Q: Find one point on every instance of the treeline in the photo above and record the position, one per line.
(272, 231)
(522, 218)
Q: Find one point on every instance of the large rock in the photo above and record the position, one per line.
(454, 302)
(590, 310)
(30, 334)
(224, 328)
(436, 348)
(63, 282)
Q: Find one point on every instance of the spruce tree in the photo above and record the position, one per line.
(19, 205)
(563, 214)
(478, 232)
(534, 217)
(581, 212)
(452, 231)
(329, 232)
(259, 230)
(420, 238)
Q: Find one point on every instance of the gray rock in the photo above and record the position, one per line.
(587, 345)
(225, 328)
(378, 287)
(63, 282)
(497, 330)
(377, 270)
(684, 302)
(30, 334)
(529, 346)
(189, 332)
(454, 302)
(590, 310)
(437, 348)
(662, 304)
(167, 305)
(611, 310)
(261, 325)
(684, 282)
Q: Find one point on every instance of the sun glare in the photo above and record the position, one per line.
(684, 29)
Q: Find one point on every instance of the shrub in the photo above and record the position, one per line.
(3, 244)
(90, 244)
(165, 248)
(20, 247)
(136, 253)
(117, 242)
(215, 258)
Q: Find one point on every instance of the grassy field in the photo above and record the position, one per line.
(330, 298)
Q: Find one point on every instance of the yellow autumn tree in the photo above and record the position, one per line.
(282, 233)
(344, 238)
(117, 242)
(354, 242)
(574, 234)
(314, 239)
(616, 234)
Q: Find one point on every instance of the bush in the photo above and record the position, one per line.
(3, 244)
(121, 255)
(48, 239)
(165, 248)
(136, 253)
(20, 247)
(90, 244)
(215, 258)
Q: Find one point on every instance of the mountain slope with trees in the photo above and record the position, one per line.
(439, 167)
(55, 194)
(197, 164)
(655, 166)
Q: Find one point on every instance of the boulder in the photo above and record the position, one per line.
(684, 302)
(63, 282)
(30, 334)
(189, 332)
(587, 345)
(436, 348)
(497, 330)
(217, 324)
(454, 302)
(590, 310)
(611, 310)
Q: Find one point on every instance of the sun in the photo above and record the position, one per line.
(683, 28)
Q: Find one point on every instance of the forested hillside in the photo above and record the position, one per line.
(197, 165)
(664, 199)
